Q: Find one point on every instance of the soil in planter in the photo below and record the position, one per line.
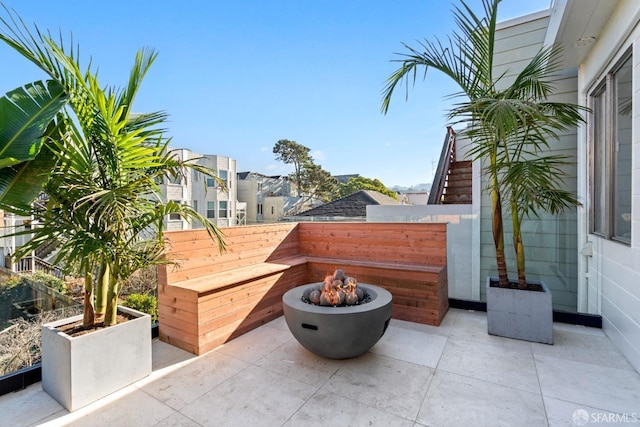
(514, 285)
(76, 329)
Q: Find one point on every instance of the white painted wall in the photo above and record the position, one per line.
(610, 279)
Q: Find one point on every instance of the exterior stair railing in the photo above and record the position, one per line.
(447, 157)
(31, 264)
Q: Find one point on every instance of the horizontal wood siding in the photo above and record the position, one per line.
(209, 298)
(418, 243)
(197, 255)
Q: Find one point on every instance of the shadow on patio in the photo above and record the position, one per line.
(455, 374)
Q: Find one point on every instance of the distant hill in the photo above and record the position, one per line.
(413, 188)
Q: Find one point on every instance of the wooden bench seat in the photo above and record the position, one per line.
(211, 297)
(216, 281)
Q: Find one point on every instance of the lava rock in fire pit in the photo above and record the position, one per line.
(336, 290)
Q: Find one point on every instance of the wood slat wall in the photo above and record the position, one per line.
(198, 314)
(418, 296)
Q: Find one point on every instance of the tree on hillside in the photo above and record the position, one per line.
(292, 153)
(362, 183)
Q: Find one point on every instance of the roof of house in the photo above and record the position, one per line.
(353, 205)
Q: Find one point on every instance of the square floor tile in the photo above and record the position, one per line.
(253, 397)
(601, 387)
(126, 407)
(192, 379)
(28, 406)
(328, 409)
(410, 345)
(581, 347)
(391, 385)
(165, 355)
(494, 362)
(298, 363)
(255, 344)
(455, 400)
(568, 414)
(472, 326)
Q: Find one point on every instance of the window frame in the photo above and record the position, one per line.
(175, 216)
(211, 212)
(603, 172)
(223, 213)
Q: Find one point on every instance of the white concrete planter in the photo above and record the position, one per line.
(521, 314)
(77, 371)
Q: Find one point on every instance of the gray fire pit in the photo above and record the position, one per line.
(338, 332)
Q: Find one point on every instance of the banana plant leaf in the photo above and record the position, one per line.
(25, 114)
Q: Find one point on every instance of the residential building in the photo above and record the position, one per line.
(270, 198)
(267, 198)
(218, 204)
(589, 257)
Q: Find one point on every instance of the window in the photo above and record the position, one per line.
(259, 208)
(224, 176)
(273, 210)
(177, 179)
(175, 216)
(211, 210)
(611, 123)
(211, 182)
(195, 205)
(222, 209)
(196, 175)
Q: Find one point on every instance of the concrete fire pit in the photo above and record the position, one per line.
(338, 332)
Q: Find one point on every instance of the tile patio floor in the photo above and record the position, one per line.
(417, 375)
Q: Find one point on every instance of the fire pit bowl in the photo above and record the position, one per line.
(338, 332)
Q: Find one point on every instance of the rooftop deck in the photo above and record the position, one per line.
(417, 375)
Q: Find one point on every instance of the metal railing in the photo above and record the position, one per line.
(447, 157)
(31, 264)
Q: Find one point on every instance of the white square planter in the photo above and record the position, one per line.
(521, 314)
(77, 371)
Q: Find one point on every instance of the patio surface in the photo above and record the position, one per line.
(417, 375)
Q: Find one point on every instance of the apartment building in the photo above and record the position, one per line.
(203, 193)
(267, 198)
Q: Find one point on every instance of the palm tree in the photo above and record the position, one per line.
(509, 127)
(105, 207)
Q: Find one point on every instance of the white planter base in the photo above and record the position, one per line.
(520, 314)
(77, 371)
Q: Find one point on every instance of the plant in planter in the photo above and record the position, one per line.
(104, 206)
(510, 123)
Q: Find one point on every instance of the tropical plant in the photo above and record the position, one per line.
(105, 207)
(26, 123)
(509, 124)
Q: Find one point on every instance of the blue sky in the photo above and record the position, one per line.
(237, 76)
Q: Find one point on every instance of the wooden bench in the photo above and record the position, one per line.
(211, 297)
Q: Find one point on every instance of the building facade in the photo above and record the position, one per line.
(215, 202)
(267, 198)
